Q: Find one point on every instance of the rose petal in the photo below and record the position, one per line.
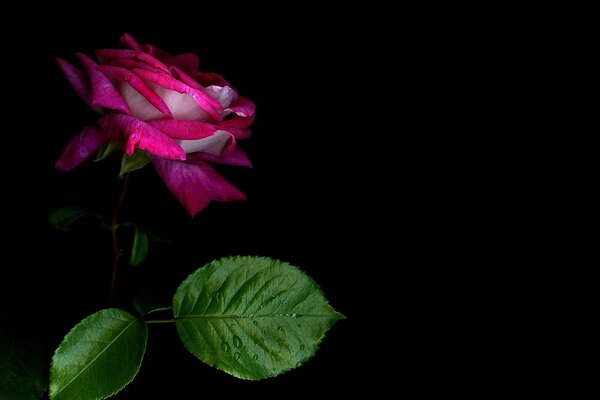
(81, 147)
(236, 157)
(104, 94)
(138, 84)
(188, 62)
(185, 78)
(243, 107)
(155, 52)
(195, 184)
(78, 80)
(223, 94)
(218, 143)
(236, 122)
(182, 129)
(240, 134)
(135, 54)
(166, 81)
(131, 133)
(130, 64)
(128, 40)
(211, 78)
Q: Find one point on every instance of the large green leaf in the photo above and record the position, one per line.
(23, 370)
(139, 248)
(99, 357)
(63, 218)
(251, 317)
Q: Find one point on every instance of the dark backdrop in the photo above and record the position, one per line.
(317, 196)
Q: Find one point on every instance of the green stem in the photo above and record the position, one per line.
(157, 310)
(113, 229)
(160, 321)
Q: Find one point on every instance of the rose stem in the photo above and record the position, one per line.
(160, 321)
(113, 229)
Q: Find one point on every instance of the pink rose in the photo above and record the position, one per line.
(162, 104)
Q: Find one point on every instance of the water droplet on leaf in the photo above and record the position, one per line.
(255, 357)
(237, 342)
(237, 356)
(225, 346)
(279, 329)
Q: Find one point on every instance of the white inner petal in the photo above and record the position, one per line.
(182, 106)
(139, 106)
(223, 94)
(214, 144)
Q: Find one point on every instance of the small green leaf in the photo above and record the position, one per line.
(106, 151)
(99, 357)
(23, 370)
(252, 317)
(139, 249)
(63, 218)
(137, 160)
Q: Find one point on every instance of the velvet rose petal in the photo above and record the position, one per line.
(183, 129)
(138, 84)
(136, 55)
(237, 122)
(243, 107)
(185, 78)
(78, 80)
(187, 62)
(130, 64)
(104, 94)
(238, 133)
(81, 147)
(236, 157)
(128, 40)
(131, 133)
(155, 52)
(195, 184)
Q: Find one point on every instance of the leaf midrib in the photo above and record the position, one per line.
(96, 357)
(234, 316)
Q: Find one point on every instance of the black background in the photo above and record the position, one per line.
(319, 194)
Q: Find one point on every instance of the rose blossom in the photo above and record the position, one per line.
(163, 105)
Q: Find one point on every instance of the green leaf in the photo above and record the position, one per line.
(252, 317)
(137, 160)
(139, 248)
(106, 151)
(63, 218)
(23, 370)
(99, 357)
